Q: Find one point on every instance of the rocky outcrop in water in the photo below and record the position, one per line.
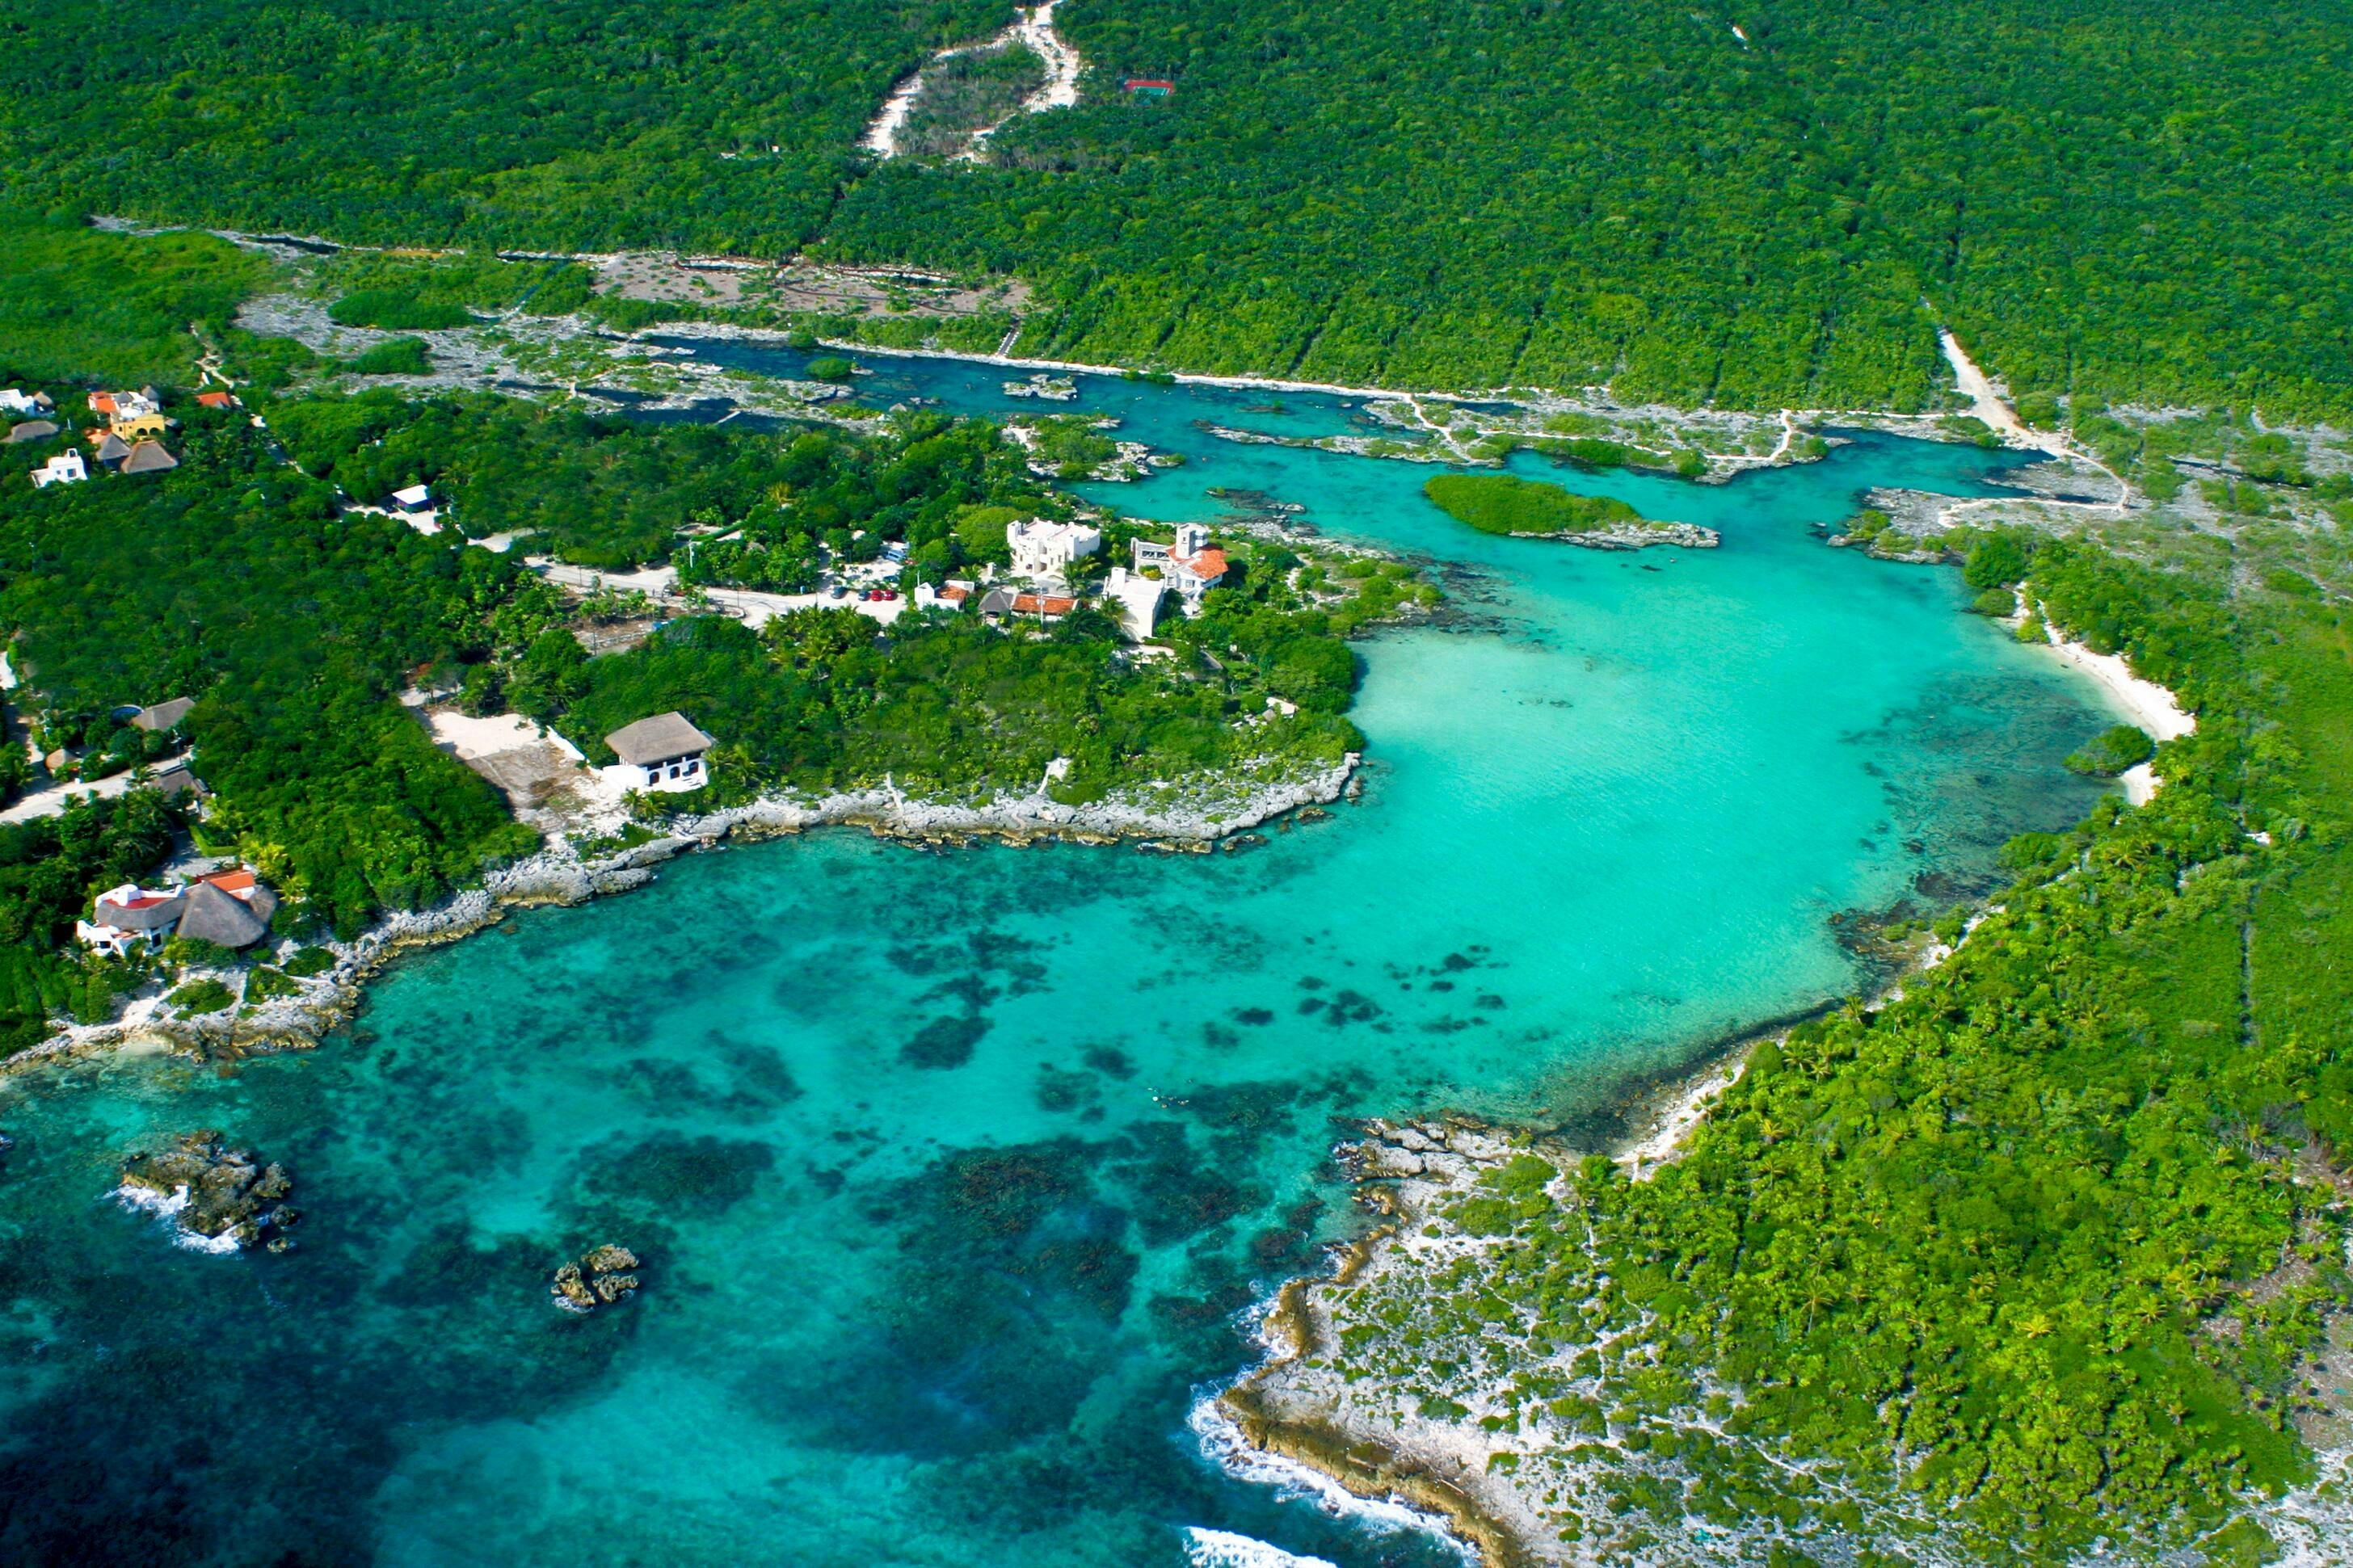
(1640, 535)
(215, 1192)
(600, 1279)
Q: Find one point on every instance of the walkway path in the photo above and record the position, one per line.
(1034, 30)
(1988, 403)
(52, 800)
(753, 608)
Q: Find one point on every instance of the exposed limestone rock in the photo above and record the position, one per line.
(215, 1192)
(601, 1278)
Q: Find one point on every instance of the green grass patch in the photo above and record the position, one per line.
(266, 983)
(206, 995)
(393, 356)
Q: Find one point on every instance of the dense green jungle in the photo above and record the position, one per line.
(2126, 200)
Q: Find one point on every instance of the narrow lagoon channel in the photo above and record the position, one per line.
(955, 1172)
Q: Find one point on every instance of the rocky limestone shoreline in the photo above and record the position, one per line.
(1297, 1409)
(562, 874)
(1296, 1406)
(1637, 536)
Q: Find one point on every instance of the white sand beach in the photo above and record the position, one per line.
(2142, 702)
(2146, 703)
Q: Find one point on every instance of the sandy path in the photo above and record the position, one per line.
(1063, 62)
(753, 607)
(882, 136)
(52, 799)
(1034, 31)
(1986, 400)
(1988, 403)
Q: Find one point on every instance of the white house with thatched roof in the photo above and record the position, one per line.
(663, 752)
(227, 907)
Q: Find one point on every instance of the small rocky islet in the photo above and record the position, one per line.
(216, 1191)
(600, 1277)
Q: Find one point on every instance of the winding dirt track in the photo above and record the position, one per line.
(1033, 30)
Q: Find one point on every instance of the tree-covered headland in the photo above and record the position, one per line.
(306, 630)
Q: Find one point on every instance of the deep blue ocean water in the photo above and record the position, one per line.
(955, 1172)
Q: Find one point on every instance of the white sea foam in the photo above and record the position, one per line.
(1223, 1444)
(1224, 1548)
(167, 1206)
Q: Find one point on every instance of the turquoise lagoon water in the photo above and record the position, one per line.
(954, 1173)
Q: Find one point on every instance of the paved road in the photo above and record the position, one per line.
(52, 800)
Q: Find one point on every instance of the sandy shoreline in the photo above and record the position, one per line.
(2147, 705)
(2150, 705)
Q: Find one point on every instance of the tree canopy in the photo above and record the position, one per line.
(2127, 198)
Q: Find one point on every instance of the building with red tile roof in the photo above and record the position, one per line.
(1046, 606)
(1187, 563)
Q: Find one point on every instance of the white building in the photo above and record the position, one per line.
(229, 908)
(130, 916)
(416, 507)
(64, 468)
(1187, 563)
(1042, 548)
(663, 752)
(1134, 601)
(15, 402)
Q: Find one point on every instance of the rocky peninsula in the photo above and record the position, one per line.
(1638, 534)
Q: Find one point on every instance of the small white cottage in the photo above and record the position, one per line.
(65, 468)
(663, 752)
